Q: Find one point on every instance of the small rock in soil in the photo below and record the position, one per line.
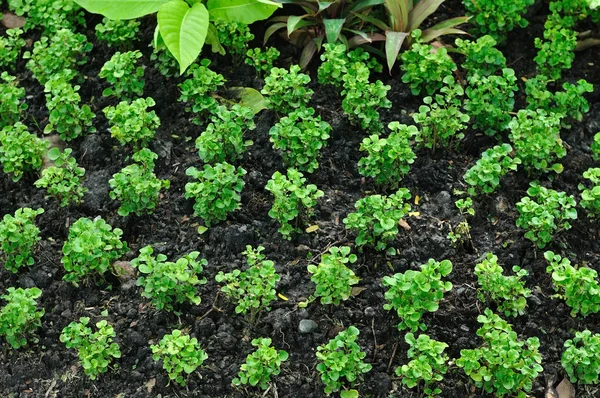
(26, 281)
(42, 277)
(136, 339)
(307, 326)
(535, 300)
(369, 312)
(279, 319)
(464, 328)
(205, 327)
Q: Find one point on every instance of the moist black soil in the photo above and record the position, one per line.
(48, 369)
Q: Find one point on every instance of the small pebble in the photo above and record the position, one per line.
(307, 326)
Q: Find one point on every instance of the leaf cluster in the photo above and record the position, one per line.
(117, 33)
(136, 186)
(11, 44)
(508, 292)
(197, 89)
(503, 365)
(484, 176)
(412, 293)
(179, 354)
(577, 286)
(234, 36)
(544, 212)
(590, 197)
(66, 116)
(223, 138)
(20, 150)
(92, 246)
(481, 56)
(167, 282)
(300, 137)
(125, 77)
(63, 179)
(332, 277)
(20, 317)
(50, 15)
(376, 218)
(130, 122)
(217, 191)
(581, 357)
(252, 290)
(261, 365)
(95, 349)
(287, 90)
(497, 18)
(11, 100)
(294, 200)
(341, 358)
(428, 363)
(261, 60)
(19, 237)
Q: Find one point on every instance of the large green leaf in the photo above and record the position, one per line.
(183, 29)
(422, 10)
(333, 28)
(244, 11)
(122, 9)
(393, 43)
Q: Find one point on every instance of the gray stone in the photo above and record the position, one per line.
(369, 312)
(464, 328)
(535, 300)
(307, 326)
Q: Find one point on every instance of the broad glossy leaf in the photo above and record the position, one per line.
(399, 11)
(122, 9)
(183, 30)
(422, 10)
(244, 11)
(393, 43)
(333, 28)
(250, 98)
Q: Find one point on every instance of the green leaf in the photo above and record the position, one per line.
(333, 28)
(244, 11)
(183, 30)
(122, 9)
(422, 10)
(393, 43)
(53, 154)
(249, 98)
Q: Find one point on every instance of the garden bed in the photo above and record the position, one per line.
(49, 369)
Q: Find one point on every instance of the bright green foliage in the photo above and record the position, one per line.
(67, 117)
(294, 200)
(413, 293)
(223, 139)
(300, 137)
(590, 198)
(261, 365)
(167, 282)
(63, 180)
(261, 60)
(425, 68)
(545, 212)
(581, 358)
(252, 290)
(376, 218)
(136, 185)
(10, 47)
(503, 365)
(535, 136)
(508, 292)
(217, 191)
(429, 364)
(20, 151)
(121, 72)
(388, 159)
(95, 349)
(596, 146)
(51, 15)
(286, 90)
(570, 102)
(490, 99)
(577, 286)
(481, 56)
(234, 36)
(461, 233)
(497, 17)
(333, 279)
(337, 62)
(362, 99)
(18, 238)
(197, 89)
(132, 123)
(537, 94)
(341, 358)
(11, 100)
(179, 353)
(117, 33)
(92, 246)
(557, 51)
(495, 163)
(440, 119)
(58, 55)
(163, 60)
(20, 317)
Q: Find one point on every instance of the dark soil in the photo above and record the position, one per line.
(48, 369)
